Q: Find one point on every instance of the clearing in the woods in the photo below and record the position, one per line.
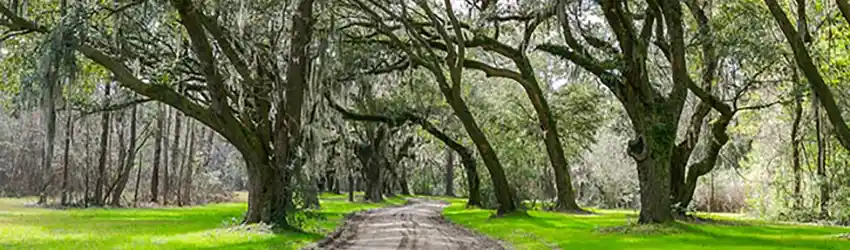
(213, 227)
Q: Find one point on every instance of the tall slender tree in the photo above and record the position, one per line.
(66, 159)
(450, 164)
(105, 124)
(127, 164)
(157, 153)
(175, 158)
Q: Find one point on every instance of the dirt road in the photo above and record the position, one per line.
(417, 225)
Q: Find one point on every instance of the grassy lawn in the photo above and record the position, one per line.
(546, 230)
(204, 227)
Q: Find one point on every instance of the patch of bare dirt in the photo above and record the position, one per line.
(417, 225)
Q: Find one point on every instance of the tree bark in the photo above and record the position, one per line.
(795, 147)
(122, 157)
(188, 163)
(719, 138)
(371, 158)
(402, 182)
(681, 156)
(138, 180)
(104, 150)
(184, 157)
(450, 164)
(823, 180)
(127, 165)
(49, 120)
(351, 185)
(166, 160)
(268, 197)
(175, 157)
(69, 137)
(651, 151)
(87, 170)
(157, 154)
(472, 180)
(504, 194)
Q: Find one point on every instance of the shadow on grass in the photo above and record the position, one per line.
(205, 227)
(542, 229)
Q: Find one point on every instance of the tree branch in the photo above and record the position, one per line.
(804, 61)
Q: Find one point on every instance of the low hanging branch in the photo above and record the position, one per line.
(394, 121)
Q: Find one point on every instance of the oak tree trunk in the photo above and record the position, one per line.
(402, 181)
(472, 181)
(269, 197)
(371, 156)
(651, 151)
(502, 189)
(563, 182)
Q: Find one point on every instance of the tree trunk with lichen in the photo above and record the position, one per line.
(651, 151)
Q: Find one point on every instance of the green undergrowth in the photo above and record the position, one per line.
(616, 229)
(204, 227)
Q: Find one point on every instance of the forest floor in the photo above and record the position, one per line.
(213, 226)
(417, 225)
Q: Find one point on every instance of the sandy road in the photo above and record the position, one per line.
(417, 225)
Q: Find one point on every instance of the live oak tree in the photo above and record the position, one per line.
(235, 91)
(525, 76)
(654, 112)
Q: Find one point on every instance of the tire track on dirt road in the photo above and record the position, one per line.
(417, 225)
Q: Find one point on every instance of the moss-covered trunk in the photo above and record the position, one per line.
(269, 196)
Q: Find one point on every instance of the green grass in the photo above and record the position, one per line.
(211, 227)
(546, 230)
(204, 227)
